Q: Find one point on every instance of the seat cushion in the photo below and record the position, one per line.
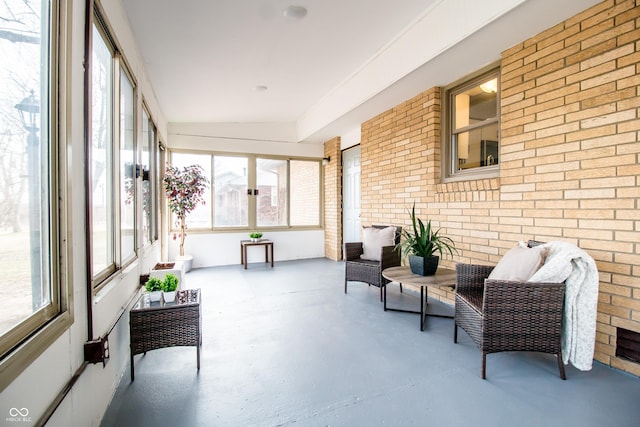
(519, 264)
(373, 239)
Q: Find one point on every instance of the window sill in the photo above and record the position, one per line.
(468, 185)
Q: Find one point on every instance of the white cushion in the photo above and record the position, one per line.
(519, 264)
(373, 239)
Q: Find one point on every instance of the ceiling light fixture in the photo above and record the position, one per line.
(490, 87)
(295, 12)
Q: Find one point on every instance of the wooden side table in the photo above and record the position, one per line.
(268, 247)
(154, 325)
(404, 276)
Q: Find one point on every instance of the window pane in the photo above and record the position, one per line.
(474, 127)
(271, 202)
(148, 136)
(200, 217)
(101, 161)
(476, 104)
(305, 192)
(230, 184)
(477, 148)
(24, 159)
(127, 169)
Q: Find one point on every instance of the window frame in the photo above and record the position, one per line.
(152, 174)
(24, 343)
(119, 65)
(252, 183)
(449, 171)
(123, 69)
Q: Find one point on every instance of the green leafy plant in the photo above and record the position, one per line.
(423, 240)
(255, 235)
(170, 282)
(185, 190)
(153, 284)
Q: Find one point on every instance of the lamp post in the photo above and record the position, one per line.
(29, 109)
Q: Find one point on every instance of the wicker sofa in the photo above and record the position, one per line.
(508, 316)
(360, 270)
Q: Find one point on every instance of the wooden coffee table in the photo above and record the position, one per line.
(404, 276)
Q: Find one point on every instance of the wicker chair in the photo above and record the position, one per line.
(508, 316)
(361, 270)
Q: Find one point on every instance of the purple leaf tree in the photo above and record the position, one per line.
(185, 188)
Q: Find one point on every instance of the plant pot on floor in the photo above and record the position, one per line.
(161, 269)
(423, 266)
(186, 261)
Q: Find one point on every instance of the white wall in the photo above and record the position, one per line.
(210, 249)
(37, 386)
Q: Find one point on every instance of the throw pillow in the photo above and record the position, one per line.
(373, 239)
(519, 264)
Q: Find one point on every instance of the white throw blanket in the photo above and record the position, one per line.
(568, 263)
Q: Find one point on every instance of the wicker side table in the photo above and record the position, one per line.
(154, 325)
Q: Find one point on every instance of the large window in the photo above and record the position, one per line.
(272, 185)
(127, 168)
(113, 173)
(252, 192)
(200, 217)
(230, 184)
(472, 134)
(31, 292)
(101, 154)
(149, 164)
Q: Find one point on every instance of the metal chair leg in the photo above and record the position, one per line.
(561, 366)
(484, 365)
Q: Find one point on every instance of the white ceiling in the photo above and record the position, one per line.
(346, 61)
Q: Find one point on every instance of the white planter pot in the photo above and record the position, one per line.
(169, 296)
(186, 261)
(155, 296)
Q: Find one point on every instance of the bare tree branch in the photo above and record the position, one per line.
(18, 38)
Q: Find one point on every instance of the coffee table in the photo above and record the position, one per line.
(404, 276)
(154, 325)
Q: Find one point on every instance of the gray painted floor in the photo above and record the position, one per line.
(286, 346)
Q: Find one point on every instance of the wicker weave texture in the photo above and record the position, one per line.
(508, 316)
(360, 270)
(165, 326)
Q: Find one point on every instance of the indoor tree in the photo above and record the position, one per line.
(184, 188)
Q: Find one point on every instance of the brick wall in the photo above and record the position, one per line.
(333, 200)
(570, 161)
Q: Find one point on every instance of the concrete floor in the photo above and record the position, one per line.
(286, 346)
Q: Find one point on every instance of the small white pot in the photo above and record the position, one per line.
(169, 296)
(155, 296)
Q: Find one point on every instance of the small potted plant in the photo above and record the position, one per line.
(255, 236)
(154, 287)
(169, 287)
(422, 244)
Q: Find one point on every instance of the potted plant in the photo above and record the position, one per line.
(185, 189)
(169, 287)
(154, 287)
(255, 236)
(422, 243)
